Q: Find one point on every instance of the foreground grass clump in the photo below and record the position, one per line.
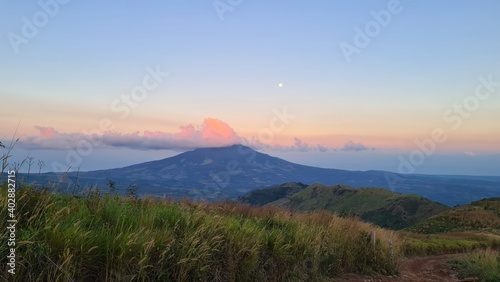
(482, 264)
(107, 238)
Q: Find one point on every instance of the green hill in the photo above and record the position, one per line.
(479, 216)
(376, 205)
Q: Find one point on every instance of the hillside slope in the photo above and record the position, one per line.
(379, 206)
(480, 216)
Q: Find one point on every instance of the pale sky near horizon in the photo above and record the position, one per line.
(404, 86)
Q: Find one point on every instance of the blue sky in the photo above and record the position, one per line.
(223, 75)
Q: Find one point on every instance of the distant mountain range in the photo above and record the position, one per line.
(230, 172)
(376, 205)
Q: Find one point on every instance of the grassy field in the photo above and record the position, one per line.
(108, 238)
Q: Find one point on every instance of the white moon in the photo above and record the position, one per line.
(280, 85)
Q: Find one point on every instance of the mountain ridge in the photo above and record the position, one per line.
(228, 172)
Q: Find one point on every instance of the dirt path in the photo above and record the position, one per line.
(418, 269)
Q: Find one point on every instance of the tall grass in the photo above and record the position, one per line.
(108, 238)
(481, 264)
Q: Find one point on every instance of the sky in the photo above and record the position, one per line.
(404, 86)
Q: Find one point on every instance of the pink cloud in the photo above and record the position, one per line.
(214, 130)
(46, 131)
(212, 133)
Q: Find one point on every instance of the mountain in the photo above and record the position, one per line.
(379, 206)
(478, 216)
(229, 172)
